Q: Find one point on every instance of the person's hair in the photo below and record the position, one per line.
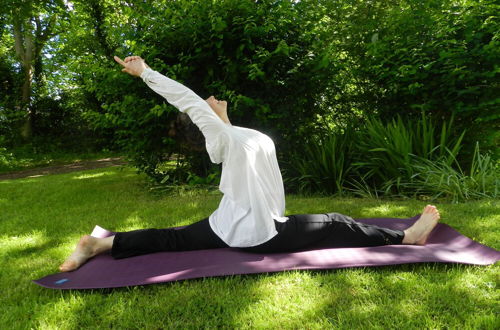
(187, 133)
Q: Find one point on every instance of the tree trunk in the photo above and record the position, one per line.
(24, 50)
(27, 50)
(27, 127)
(97, 12)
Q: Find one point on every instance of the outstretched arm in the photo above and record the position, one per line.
(184, 99)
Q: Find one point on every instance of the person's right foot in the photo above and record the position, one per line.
(85, 250)
(419, 232)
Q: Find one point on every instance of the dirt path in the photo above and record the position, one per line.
(66, 168)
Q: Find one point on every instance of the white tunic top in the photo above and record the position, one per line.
(251, 179)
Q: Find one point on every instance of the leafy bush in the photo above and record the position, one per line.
(6, 159)
(256, 55)
(289, 68)
(440, 57)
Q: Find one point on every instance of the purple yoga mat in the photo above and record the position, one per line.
(444, 245)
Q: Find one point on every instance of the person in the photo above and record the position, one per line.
(250, 215)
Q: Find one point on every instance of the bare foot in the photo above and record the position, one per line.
(419, 232)
(85, 249)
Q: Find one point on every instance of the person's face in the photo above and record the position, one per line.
(219, 107)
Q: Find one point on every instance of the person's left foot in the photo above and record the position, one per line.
(85, 250)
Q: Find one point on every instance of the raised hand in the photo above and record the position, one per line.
(133, 65)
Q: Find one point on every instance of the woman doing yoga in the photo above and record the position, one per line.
(250, 215)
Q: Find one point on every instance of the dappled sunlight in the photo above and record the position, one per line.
(28, 256)
(63, 311)
(403, 293)
(132, 222)
(16, 181)
(276, 296)
(359, 281)
(364, 309)
(37, 237)
(193, 204)
(467, 280)
(354, 207)
(410, 306)
(385, 209)
(92, 175)
(359, 295)
(369, 307)
(28, 243)
(24, 268)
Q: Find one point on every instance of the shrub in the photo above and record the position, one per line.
(257, 55)
(409, 56)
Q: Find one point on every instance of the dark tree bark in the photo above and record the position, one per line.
(30, 36)
(98, 15)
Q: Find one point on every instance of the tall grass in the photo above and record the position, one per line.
(385, 153)
(399, 158)
(322, 165)
(438, 178)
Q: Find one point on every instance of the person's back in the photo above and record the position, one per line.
(251, 179)
(253, 189)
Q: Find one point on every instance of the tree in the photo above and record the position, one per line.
(33, 23)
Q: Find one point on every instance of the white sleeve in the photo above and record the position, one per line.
(194, 106)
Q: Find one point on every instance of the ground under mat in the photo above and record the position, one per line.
(444, 245)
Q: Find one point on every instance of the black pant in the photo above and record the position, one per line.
(301, 231)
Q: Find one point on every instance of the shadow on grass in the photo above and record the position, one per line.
(412, 296)
(56, 211)
(18, 252)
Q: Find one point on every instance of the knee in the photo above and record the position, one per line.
(334, 216)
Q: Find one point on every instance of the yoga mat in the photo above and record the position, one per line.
(443, 245)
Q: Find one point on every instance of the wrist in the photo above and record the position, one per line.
(144, 72)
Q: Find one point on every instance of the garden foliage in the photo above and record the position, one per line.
(296, 70)
(256, 55)
(398, 158)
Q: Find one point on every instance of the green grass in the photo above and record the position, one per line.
(27, 158)
(42, 218)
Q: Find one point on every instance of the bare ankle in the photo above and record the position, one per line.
(409, 238)
(103, 244)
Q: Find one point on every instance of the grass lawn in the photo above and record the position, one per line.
(42, 218)
(23, 159)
